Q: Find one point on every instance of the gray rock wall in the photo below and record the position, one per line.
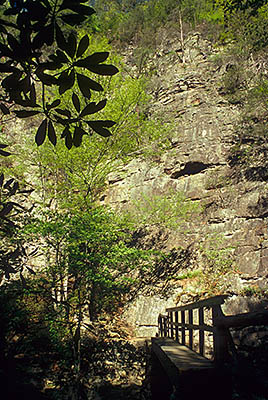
(197, 165)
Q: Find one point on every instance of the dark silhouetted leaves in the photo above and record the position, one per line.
(62, 121)
(68, 138)
(103, 69)
(6, 209)
(1, 179)
(85, 84)
(7, 68)
(5, 51)
(66, 113)
(33, 96)
(4, 109)
(48, 80)
(92, 63)
(44, 36)
(78, 134)
(83, 45)
(14, 189)
(76, 7)
(25, 84)
(71, 45)
(93, 107)
(51, 133)
(59, 57)
(51, 65)
(66, 81)
(73, 19)
(11, 82)
(9, 182)
(76, 102)
(25, 113)
(30, 270)
(100, 127)
(36, 24)
(54, 104)
(93, 59)
(41, 133)
(60, 39)
(4, 153)
(3, 146)
(13, 43)
(36, 10)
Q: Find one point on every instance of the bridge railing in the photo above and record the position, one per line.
(179, 324)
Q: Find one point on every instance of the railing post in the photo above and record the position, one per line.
(165, 325)
(220, 342)
(201, 332)
(183, 327)
(171, 325)
(176, 327)
(160, 325)
(190, 314)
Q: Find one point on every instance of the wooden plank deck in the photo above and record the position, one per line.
(193, 375)
(177, 359)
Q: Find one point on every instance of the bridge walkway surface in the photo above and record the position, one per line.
(178, 371)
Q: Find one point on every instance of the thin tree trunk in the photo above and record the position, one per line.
(182, 38)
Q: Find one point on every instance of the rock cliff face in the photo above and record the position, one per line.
(197, 165)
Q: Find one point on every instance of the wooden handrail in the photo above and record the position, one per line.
(170, 326)
(243, 320)
(202, 303)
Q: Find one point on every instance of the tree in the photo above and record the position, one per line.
(86, 271)
(232, 6)
(30, 31)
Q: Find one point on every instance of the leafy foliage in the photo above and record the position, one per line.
(90, 247)
(28, 29)
(88, 261)
(13, 254)
(76, 176)
(172, 210)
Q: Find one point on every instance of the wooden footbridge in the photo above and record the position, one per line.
(191, 353)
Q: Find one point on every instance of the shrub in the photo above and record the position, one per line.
(171, 210)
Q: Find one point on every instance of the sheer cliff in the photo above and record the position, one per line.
(227, 239)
